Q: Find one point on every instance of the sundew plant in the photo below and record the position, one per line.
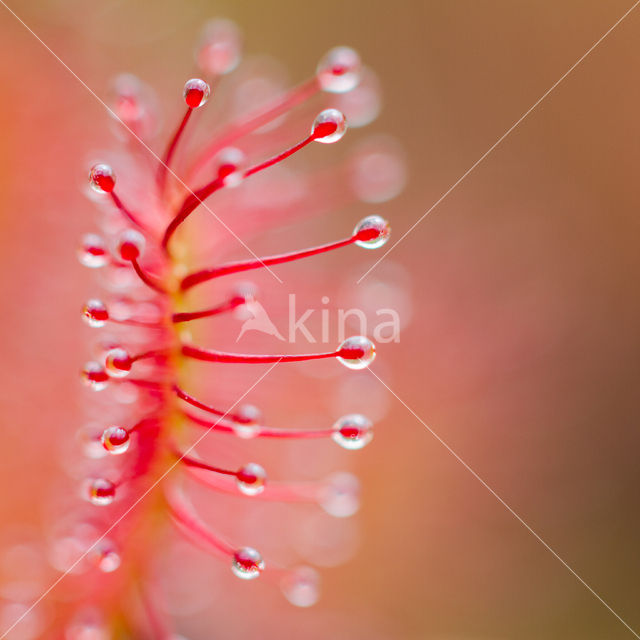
(140, 447)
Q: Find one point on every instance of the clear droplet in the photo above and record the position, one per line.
(372, 232)
(356, 352)
(247, 563)
(196, 93)
(130, 245)
(101, 491)
(245, 431)
(329, 126)
(301, 586)
(353, 431)
(115, 440)
(220, 47)
(102, 178)
(92, 252)
(118, 363)
(251, 479)
(94, 376)
(340, 497)
(339, 70)
(95, 313)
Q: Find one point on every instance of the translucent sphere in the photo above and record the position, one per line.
(94, 376)
(95, 313)
(339, 70)
(102, 179)
(340, 496)
(247, 563)
(356, 352)
(353, 431)
(301, 587)
(372, 232)
(130, 244)
(118, 363)
(92, 252)
(101, 491)
(251, 479)
(196, 93)
(329, 126)
(220, 48)
(115, 440)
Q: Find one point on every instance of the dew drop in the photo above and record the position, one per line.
(94, 376)
(251, 479)
(92, 251)
(130, 244)
(301, 587)
(340, 496)
(196, 93)
(220, 48)
(353, 431)
(118, 363)
(101, 491)
(339, 70)
(356, 352)
(102, 179)
(247, 563)
(115, 440)
(329, 126)
(372, 232)
(95, 313)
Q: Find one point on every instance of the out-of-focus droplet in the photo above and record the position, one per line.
(301, 586)
(92, 252)
(106, 556)
(340, 497)
(362, 105)
(339, 70)
(220, 47)
(94, 376)
(251, 479)
(377, 170)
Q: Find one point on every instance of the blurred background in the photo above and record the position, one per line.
(519, 291)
